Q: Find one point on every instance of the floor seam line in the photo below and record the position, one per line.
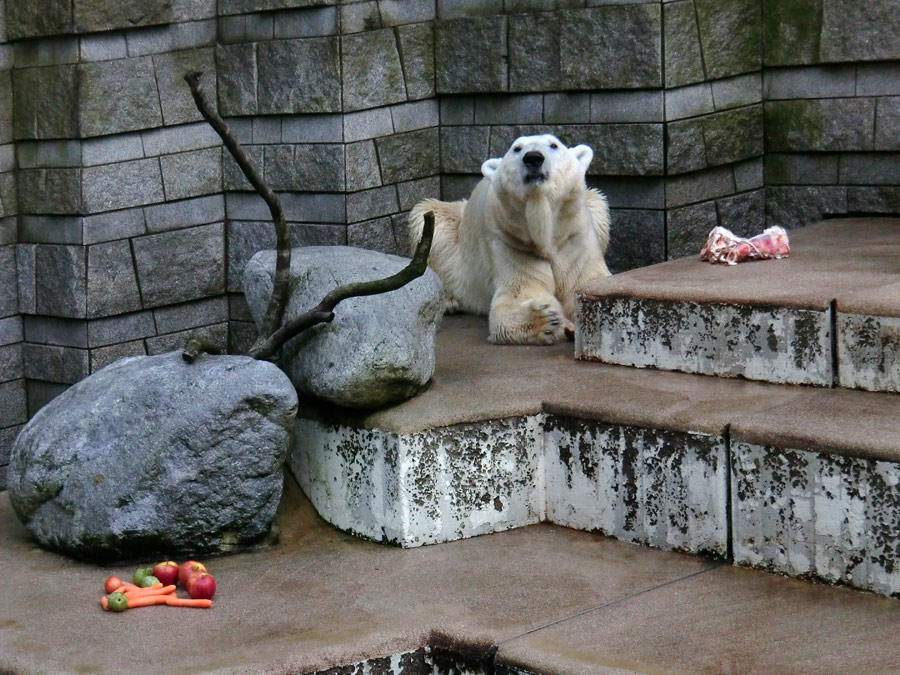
(611, 603)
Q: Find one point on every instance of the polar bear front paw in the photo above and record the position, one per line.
(545, 324)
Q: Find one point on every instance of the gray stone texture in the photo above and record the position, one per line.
(60, 281)
(792, 207)
(178, 105)
(417, 52)
(801, 169)
(378, 349)
(236, 78)
(99, 15)
(791, 31)
(42, 102)
(111, 282)
(632, 32)
(464, 148)
(534, 52)
(192, 174)
(12, 403)
(305, 167)
(884, 199)
(50, 191)
(637, 238)
(375, 235)
(117, 96)
(362, 166)
(730, 36)
(33, 19)
(683, 56)
(118, 186)
(688, 227)
(367, 86)
(821, 125)
(288, 83)
(9, 291)
(409, 156)
(182, 265)
(859, 30)
(52, 363)
(94, 476)
(887, 124)
(470, 55)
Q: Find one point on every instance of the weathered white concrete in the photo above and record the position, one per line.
(649, 486)
(868, 349)
(660, 488)
(783, 345)
(811, 514)
(428, 487)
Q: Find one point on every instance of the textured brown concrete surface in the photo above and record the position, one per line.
(726, 620)
(844, 258)
(555, 600)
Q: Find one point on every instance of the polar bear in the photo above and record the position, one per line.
(530, 235)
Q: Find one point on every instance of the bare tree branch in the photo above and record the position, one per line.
(324, 311)
(278, 301)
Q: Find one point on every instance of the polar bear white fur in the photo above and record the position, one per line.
(530, 235)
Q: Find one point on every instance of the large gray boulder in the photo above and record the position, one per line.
(378, 350)
(152, 455)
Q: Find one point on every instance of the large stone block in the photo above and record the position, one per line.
(822, 125)
(801, 169)
(375, 235)
(867, 350)
(534, 52)
(365, 86)
(887, 124)
(118, 96)
(733, 135)
(182, 265)
(362, 166)
(93, 16)
(881, 168)
(34, 19)
(860, 30)
(52, 363)
(417, 53)
(791, 31)
(873, 199)
(464, 148)
(12, 403)
(637, 238)
(792, 207)
(698, 186)
(192, 174)
(60, 281)
(299, 76)
(622, 149)
(117, 186)
(409, 156)
(9, 289)
(688, 227)
(470, 55)
(617, 47)
(178, 105)
(743, 214)
(686, 149)
(111, 281)
(236, 77)
(306, 167)
(43, 102)
(730, 35)
(50, 191)
(683, 56)
(203, 472)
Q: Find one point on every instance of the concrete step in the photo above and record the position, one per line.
(541, 599)
(828, 315)
(798, 480)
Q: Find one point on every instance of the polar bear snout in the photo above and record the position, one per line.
(533, 159)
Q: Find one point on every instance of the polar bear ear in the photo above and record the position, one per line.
(583, 155)
(489, 168)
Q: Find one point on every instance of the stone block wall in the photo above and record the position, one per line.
(832, 109)
(124, 227)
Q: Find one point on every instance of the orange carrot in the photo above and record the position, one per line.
(156, 589)
(147, 600)
(126, 586)
(185, 602)
(104, 603)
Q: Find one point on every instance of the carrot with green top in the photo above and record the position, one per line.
(185, 602)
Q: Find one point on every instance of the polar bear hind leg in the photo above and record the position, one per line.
(444, 246)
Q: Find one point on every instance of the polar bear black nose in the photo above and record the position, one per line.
(533, 159)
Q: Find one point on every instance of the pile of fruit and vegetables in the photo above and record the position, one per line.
(157, 586)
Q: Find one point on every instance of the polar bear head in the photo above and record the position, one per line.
(538, 163)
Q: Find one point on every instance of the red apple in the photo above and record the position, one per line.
(166, 572)
(201, 586)
(187, 569)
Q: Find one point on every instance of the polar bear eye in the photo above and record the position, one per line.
(518, 148)
(553, 146)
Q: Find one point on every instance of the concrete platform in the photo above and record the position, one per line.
(826, 315)
(541, 599)
(792, 479)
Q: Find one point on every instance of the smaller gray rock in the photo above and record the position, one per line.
(378, 350)
(151, 455)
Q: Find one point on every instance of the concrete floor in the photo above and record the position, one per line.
(553, 600)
